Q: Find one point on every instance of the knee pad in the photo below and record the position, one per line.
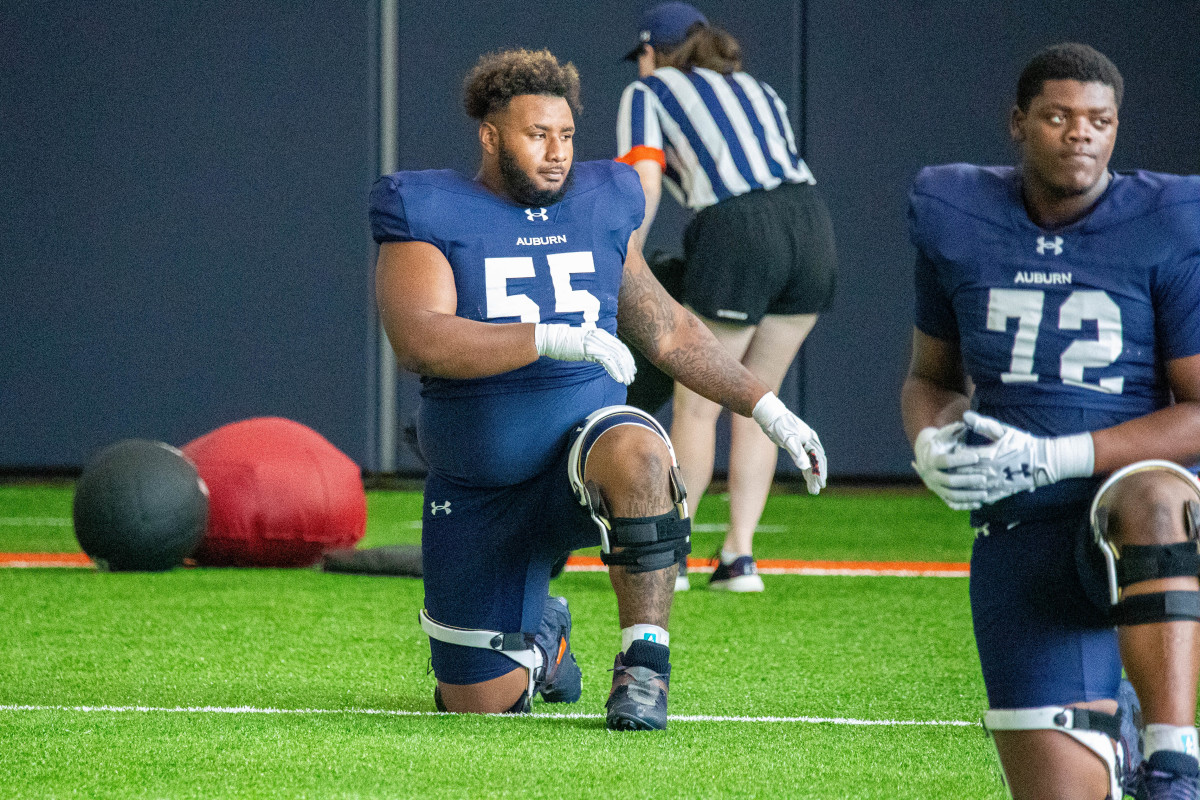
(1095, 730)
(645, 543)
(1129, 564)
(517, 646)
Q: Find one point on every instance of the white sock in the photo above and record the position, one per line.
(651, 632)
(728, 558)
(1177, 738)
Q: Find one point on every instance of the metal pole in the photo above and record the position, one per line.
(389, 157)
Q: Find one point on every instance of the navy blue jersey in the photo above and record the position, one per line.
(561, 264)
(1064, 330)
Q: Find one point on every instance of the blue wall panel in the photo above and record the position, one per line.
(184, 237)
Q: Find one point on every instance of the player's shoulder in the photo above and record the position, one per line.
(420, 181)
(965, 186)
(613, 187)
(402, 202)
(946, 197)
(614, 176)
(1172, 199)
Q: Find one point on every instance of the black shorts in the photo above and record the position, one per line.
(765, 252)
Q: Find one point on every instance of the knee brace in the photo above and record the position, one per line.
(1095, 730)
(1131, 563)
(645, 543)
(517, 646)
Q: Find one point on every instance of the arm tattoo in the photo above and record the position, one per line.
(679, 344)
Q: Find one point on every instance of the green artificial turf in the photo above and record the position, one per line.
(883, 649)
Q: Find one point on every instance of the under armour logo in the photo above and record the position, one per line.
(1011, 473)
(1054, 244)
(539, 213)
(434, 508)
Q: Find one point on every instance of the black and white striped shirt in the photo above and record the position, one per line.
(716, 136)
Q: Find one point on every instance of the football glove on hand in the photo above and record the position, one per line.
(568, 343)
(938, 453)
(788, 431)
(1017, 461)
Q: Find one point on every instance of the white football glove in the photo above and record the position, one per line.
(938, 453)
(568, 343)
(1017, 461)
(788, 431)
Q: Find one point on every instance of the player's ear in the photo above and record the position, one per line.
(489, 137)
(1016, 124)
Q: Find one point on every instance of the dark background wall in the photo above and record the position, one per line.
(184, 243)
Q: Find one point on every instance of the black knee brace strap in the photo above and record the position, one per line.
(1144, 562)
(1139, 609)
(649, 543)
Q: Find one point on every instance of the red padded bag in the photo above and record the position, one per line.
(280, 495)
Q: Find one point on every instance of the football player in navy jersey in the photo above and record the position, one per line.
(505, 292)
(1054, 390)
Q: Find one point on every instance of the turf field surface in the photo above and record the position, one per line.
(297, 683)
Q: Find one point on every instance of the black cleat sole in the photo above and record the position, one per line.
(622, 723)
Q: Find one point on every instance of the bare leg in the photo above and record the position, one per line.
(1162, 659)
(1048, 765)
(694, 418)
(752, 456)
(489, 697)
(631, 465)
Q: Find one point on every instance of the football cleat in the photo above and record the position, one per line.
(1168, 775)
(563, 680)
(641, 678)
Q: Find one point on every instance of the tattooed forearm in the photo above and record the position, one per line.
(645, 312)
(705, 367)
(679, 344)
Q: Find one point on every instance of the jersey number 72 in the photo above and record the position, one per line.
(1026, 306)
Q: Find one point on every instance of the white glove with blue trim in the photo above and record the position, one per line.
(568, 343)
(938, 453)
(790, 432)
(1017, 461)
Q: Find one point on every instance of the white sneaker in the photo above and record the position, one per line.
(682, 584)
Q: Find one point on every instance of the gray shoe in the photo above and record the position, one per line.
(641, 678)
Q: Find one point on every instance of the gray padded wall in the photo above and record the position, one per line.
(184, 241)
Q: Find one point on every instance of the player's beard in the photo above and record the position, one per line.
(520, 188)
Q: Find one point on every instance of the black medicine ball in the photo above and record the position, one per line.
(140, 505)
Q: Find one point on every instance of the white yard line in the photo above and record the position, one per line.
(400, 713)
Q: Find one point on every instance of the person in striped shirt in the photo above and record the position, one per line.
(759, 252)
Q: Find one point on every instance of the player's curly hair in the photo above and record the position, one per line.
(1067, 61)
(499, 77)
